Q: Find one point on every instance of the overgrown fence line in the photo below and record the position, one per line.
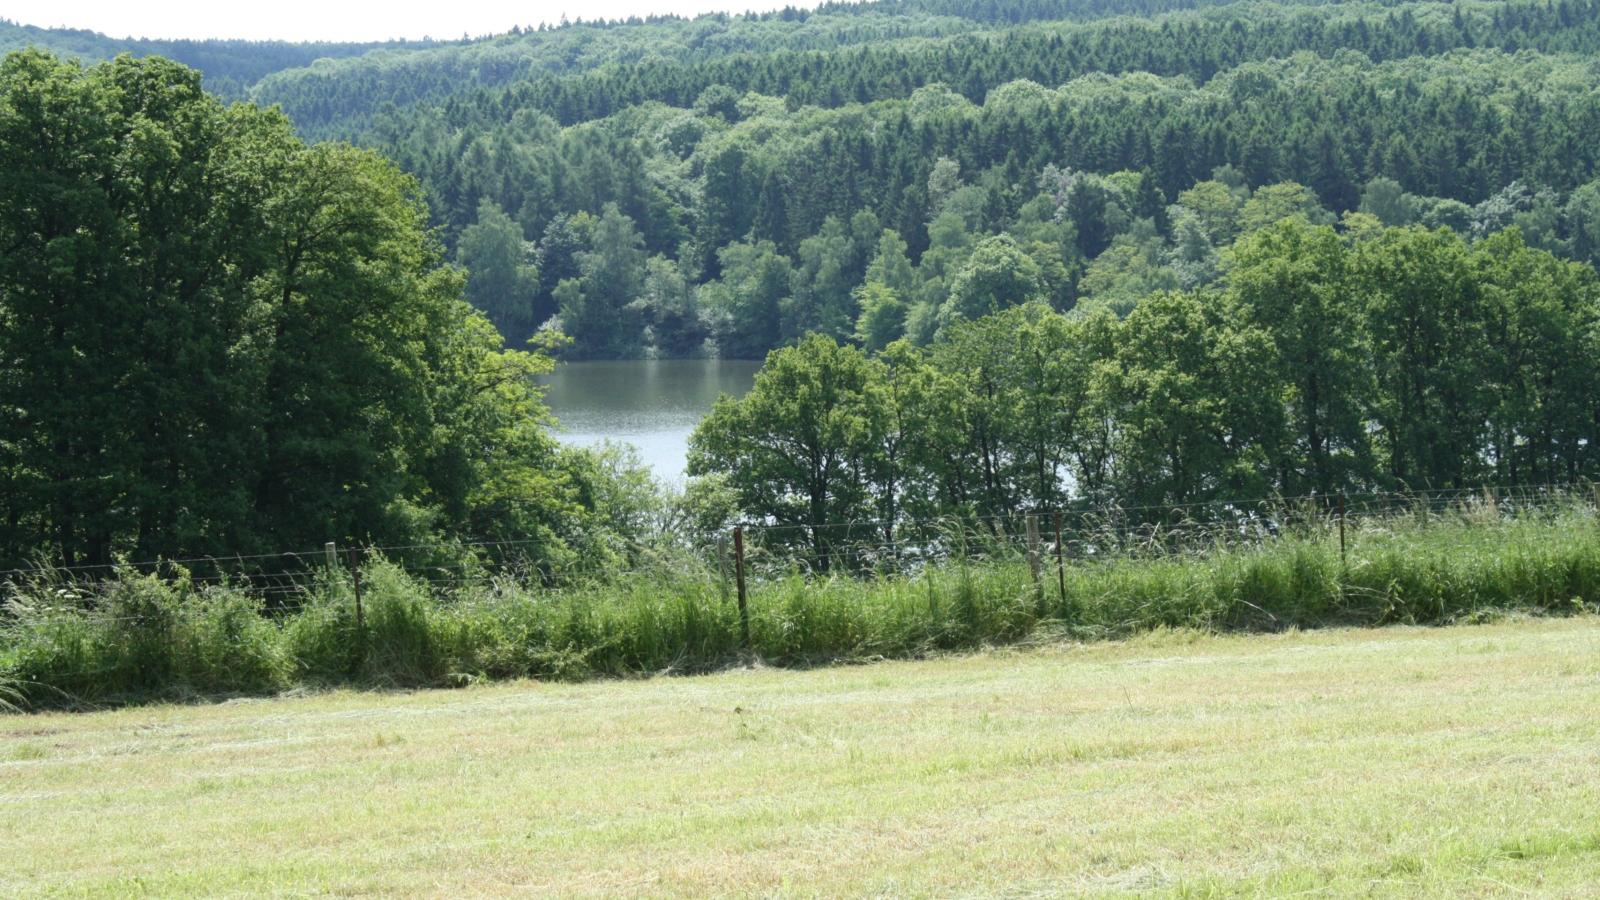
(859, 548)
(792, 592)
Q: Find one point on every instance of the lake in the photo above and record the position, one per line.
(652, 404)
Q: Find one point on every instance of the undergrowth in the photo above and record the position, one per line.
(139, 637)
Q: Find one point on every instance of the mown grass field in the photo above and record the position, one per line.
(1397, 761)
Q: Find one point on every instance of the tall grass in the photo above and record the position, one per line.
(138, 636)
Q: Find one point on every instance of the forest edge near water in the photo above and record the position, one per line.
(1319, 271)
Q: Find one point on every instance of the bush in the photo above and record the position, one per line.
(226, 645)
(397, 645)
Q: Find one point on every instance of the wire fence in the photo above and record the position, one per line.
(751, 553)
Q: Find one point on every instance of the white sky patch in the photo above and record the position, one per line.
(342, 20)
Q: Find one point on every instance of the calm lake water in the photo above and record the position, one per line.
(651, 403)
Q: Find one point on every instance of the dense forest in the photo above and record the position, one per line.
(727, 191)
(216, 339)
(721, 185)
(1032, 252)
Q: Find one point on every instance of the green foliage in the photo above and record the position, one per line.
(883, 316)
(1318, 362)
(1130, 270)
(152, 638)
(1273, 203)
(1292, 281)
(1425, 317)
(1193, 403)
(793, 447)
(672, 307)
(1388, 201)
(1114, 185)
(996, 276)
(595, 307)
(397, 641)
(1583, 223)
(145, 636)
(1217, 207)
(217, 339)
(230, 66)
(499, 279)
(227, 645)
(746, 305)
(1061, 124)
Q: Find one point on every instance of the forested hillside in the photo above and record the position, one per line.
(728, 184)
(658, 57)
(1251, 247)
(723, 184)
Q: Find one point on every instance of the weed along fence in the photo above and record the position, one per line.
(790, 593)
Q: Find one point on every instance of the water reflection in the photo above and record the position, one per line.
(653, 404)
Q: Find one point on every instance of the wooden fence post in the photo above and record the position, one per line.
(738, 572)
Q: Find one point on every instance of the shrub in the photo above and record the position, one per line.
(226, 645)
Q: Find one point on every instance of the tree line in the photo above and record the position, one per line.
(218, 340)
(231, 67)
(1197, 45)
(1324, 360)
(1083, 241)
(336, 99)
(850, 53)
(748, 184)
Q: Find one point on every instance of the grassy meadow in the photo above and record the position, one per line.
(1400, 761)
